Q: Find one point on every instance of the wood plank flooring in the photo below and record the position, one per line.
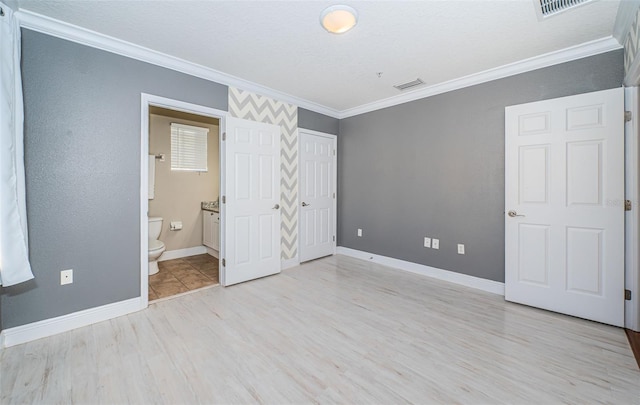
(337, 330)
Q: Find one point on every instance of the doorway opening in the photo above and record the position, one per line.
(184, 188)
(179, 215)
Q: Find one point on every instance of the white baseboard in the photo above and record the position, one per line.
(49, 327)
(180, 253)
(491, 286)
(213, 252)
(289, 263)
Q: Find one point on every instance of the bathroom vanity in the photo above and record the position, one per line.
(211, 226)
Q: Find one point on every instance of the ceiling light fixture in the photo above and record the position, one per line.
(338, 19)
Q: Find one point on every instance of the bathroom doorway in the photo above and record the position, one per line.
(178, 221)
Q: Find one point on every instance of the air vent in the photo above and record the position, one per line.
(548, 8)
(408, 85)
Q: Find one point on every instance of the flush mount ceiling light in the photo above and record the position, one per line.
(338, 19)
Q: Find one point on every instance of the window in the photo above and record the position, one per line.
(188, 148)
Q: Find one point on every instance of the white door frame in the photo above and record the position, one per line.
(632, 218)
(148, 100)
(334, 138)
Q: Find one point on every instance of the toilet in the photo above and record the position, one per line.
(156, 247)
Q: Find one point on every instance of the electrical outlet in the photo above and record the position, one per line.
(359, 232)
(435, 243)
(66, 277)
(427, 242)
(460, 249)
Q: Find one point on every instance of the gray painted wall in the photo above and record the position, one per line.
(435, 167)
(82, 157)
(317, 122)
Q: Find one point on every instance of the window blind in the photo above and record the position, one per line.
(188, 148)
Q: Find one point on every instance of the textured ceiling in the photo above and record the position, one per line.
(281, 45)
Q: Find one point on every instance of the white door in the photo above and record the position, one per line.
(252, 197)
(317, 195)
(564, 219)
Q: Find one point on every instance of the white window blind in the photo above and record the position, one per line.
(188, 148)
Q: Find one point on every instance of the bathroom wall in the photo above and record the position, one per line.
(178, 194)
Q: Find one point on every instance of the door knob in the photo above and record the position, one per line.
(275, 207)
(304, 204)
(512, 214)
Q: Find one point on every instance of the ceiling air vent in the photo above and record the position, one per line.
(548, 8)
(408, 85)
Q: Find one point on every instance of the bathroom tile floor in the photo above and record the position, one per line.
(182, 275)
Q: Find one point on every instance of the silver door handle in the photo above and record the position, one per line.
(304, 204)
(275, 207)
(512, 214)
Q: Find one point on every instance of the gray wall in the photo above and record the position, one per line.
(435, 167)
(317, 122)
(82, 157)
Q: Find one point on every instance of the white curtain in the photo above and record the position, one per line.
(14, 255)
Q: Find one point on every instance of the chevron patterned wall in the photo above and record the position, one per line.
(254, 107)
(632, 43)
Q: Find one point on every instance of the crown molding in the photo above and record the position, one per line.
(626, 14)
(74, 33)
(526, 65)
(70, 32)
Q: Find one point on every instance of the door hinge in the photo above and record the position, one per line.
(224, 199)
(627, 116)
(334, 152)
(334, 195)
(224, 136)
(627, 205)
(334, 238)
(627, 295)
(224, 263)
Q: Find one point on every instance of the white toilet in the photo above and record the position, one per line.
(156, 247)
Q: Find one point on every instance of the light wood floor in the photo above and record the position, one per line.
(337, 330)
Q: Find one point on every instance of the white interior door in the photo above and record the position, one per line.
(564, 218)
(317, 195)
(252, 196)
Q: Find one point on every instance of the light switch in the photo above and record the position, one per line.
(435, 243)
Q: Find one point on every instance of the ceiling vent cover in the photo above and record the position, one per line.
(408, 85)
(548, 8)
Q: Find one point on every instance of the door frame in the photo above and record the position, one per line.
(148, 100)
(334, 139)
(632, 218)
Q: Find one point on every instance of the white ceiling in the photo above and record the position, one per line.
(281, 45)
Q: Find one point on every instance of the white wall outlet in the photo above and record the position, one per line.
(435, 243)
(427, 242)
(66, 277)
(460, 249)
(359, 232)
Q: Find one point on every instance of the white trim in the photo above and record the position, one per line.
(53, 326)
(147, 100)
(70, 32)
(289, 263)
(50, 26)
(213, 252)
(552, 58)
(632, 218)
(334, 138)
(626, 13)
(491, 286)
(180, 253)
